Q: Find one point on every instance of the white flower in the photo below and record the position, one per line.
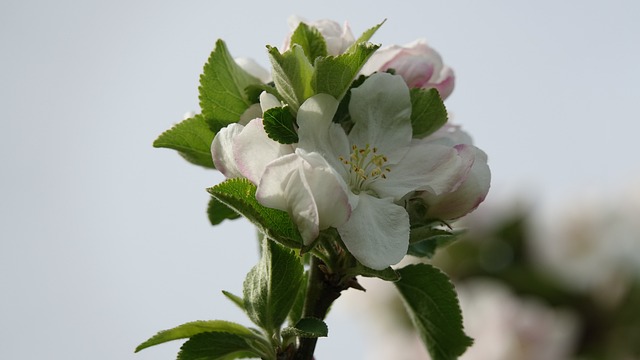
(504, 326)
(364, 173)
(419, 65)
(354, 181)
(338, 38)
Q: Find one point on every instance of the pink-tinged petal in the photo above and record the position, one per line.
(222, 153)
(380, 58)
(435, 168)
(450, 134)
(419, 64)
(416, 73)
(381, 112)
(467, 197)
(253, 112)
(377, 232)
(445, 84)
(253, 150)
(306, 187)
(318, 133)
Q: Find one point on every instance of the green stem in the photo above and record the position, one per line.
(321, 293)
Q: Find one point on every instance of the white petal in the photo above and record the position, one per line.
(318, 133)
(466, 197)
(450, 134)
(380, 58)
(329, 190)
(308, 189)
(253, 150)
(253, 112)
(222, 150)
(426, 166)
(268, 101)
(377, 232)
(254, 69)
(381, 111)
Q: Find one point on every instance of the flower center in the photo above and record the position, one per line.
(365, 165)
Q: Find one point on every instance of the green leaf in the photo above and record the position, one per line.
(428, 112)
(307, 328)
(222, 88)
(191, 138)
(218, 212)
(298, 305)
(365, 36)
(193, 328)
(235, 299)
(432, 304)
(310, 40)
(292, 73)
(271, 285)
(279, 125)
(217, 346)
(334, 74)
(240, 195)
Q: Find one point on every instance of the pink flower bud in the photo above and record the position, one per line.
(419, 65)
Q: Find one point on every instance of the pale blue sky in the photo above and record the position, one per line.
(104, 240)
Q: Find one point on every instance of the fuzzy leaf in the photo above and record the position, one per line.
(240, 195)
(292, 73)
(193, 328)
(234, 299)
(428, 112)
(191, 138)
(217, 346)
(311, 41)
(432, 304)
(334, 74)
(270, 287)
(218, 212)
(279, 125)
(253, 92)
(366, 36)
(295, 314)
(222, 88)
(307, 328)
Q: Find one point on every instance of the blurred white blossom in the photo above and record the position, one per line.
(592, 242)
(504, 326)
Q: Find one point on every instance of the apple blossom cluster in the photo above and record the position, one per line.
(360, 176)
(343, 158)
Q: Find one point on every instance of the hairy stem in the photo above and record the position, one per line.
(322, 291)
